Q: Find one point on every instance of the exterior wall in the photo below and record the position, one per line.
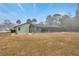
(22, 28)
(26, 28)
(34, 29)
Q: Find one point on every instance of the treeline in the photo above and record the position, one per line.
(6, 25)
(67, 22)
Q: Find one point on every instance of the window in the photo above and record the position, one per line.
(19, 28)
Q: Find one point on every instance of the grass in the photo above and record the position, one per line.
(40, 44)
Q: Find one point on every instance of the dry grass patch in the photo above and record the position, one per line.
(56, 43)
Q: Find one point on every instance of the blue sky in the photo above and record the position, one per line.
(23, 11)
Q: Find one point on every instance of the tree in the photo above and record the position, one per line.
(8, 24)
(56, 15)
(48, 19)
(18, 21)
(66, 22)
(7, 21)
(76, 23)
(53, 20)
(34, 20)
(29, 21)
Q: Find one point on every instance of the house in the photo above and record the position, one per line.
(35, 28)
(22, 28)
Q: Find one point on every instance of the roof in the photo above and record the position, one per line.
(21, 25)
(45, 26)
(40, 25)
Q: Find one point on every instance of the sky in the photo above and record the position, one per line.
(23, 11)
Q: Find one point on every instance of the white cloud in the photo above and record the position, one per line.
(21, 7)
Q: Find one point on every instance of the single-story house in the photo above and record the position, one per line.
(35, 28)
